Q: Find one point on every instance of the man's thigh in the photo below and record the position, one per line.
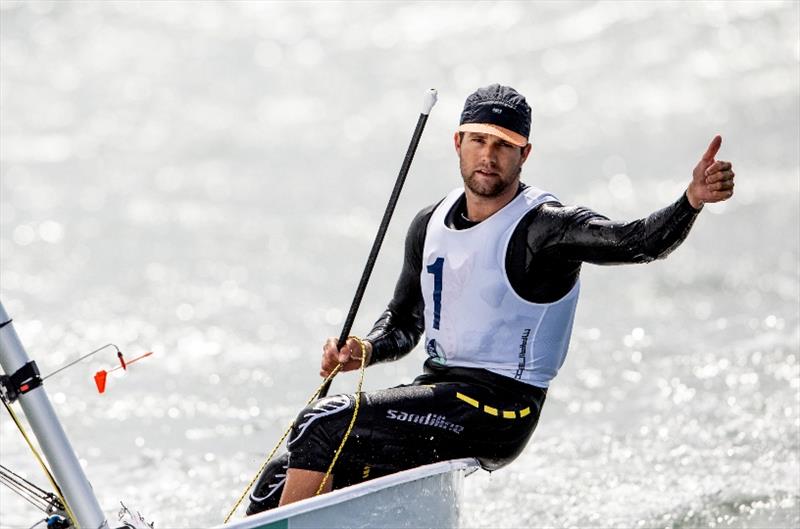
(409, 426)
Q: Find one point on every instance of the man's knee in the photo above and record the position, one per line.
(319, 424)
(315, 435)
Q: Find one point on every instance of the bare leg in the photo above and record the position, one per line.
(302, 484)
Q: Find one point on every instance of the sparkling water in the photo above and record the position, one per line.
(203, 180)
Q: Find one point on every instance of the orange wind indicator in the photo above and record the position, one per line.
(100, 376)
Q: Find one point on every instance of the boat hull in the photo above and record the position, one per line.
(424, 497)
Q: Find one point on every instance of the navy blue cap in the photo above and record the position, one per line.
(498, 110)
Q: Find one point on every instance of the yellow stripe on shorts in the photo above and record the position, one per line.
(506, 414)
(468, 400)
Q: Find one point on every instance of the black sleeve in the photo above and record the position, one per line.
(547, 248)
(581, 235)
(399, 328)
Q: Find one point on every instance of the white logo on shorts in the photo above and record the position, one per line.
(322, 408)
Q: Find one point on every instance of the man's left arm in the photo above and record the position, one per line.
(585, 236)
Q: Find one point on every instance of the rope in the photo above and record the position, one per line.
(40, 522)
(25, 494)
(30, 492)
(280, 442)
(352, 419)
(50, 477)
(289, 429)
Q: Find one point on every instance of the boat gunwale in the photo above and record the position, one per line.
(350, 493)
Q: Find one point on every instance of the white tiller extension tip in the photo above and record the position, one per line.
(430, 100)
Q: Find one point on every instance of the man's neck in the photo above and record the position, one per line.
(480, 208)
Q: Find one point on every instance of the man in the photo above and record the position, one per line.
(491, 277)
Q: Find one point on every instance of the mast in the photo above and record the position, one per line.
(48, 430)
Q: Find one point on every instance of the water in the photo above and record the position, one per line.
(204, 181)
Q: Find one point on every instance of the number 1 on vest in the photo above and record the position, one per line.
(437, 269)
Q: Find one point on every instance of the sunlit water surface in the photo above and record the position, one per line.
(204, 181)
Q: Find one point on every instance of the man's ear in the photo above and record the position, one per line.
(525, 152)
(457, 142)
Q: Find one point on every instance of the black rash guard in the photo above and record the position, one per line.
(543, 260)
(453, 412)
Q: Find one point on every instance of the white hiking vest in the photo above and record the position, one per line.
(473, 317)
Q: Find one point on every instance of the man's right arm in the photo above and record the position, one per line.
(401, 325)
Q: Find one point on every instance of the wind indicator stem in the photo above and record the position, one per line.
(430, 100)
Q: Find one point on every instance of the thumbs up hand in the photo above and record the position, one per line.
(712, 180)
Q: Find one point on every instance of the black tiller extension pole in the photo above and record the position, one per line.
(430, 100)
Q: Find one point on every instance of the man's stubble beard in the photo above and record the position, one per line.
(488, 190)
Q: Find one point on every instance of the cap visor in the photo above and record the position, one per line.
(486, 128)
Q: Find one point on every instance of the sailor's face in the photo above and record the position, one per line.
(489, 164)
